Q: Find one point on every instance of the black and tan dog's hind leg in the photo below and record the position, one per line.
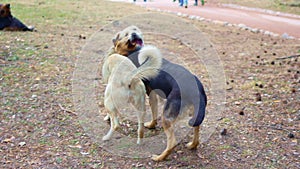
(171, 112)
(168, 127)
(195, 142)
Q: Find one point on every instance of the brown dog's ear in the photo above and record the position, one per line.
(115, 39)
(7, 6)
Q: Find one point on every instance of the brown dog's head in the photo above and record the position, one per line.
(4, 10)
(128, 40)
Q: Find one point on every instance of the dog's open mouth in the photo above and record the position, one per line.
(135, 40)
(138, 41)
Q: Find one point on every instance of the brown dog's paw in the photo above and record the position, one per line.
(157, 158)
(150, 124)
(192, 145)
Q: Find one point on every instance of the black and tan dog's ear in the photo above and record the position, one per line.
(7, 6)
(115, 39)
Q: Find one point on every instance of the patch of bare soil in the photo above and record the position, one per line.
(39, 128)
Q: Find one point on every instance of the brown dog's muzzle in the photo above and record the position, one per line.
(135, 40)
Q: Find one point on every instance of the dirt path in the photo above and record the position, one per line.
(274, 22)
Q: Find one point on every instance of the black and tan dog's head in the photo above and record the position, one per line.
(4, 10)
(128, 40)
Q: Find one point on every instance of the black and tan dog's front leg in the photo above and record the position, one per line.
(153, 104)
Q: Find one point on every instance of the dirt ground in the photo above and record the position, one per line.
(39, 127)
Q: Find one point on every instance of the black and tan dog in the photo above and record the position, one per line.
(10, 23)
(181, 89)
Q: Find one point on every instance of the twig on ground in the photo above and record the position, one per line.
(66, 110)
(272, 127)
(288, 57)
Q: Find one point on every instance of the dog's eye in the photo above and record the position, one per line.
(126, 34)
(2, 12)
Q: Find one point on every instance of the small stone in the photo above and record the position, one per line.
(274, 34)
(21, 144)
(218, 22)
(192, 17)
(84, 153)
(185, 15)
(241, 113)
(258, 97)
(285, 36)
(82, 37)
(267, 33)
(291, 135)
(254, 30)
(237, 103)
(223, 132)
(201, 19)
(293, 90)
(259, 102)
(242, 26)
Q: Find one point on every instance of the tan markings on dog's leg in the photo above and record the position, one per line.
(141, 116)
(171, 140)
(153, 104)
(116, 122)
(195, 142)
(140, 133)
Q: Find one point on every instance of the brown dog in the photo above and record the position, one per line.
(10, 23)
(124, 85)
(179, 86)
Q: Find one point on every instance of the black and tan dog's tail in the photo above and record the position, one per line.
(150, 60)
(199, 107)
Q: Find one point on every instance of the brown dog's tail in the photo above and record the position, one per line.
(150, 60)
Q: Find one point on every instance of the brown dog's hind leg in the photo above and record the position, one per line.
(114, 122)
(140, 104)
(195, 142)
(171, 140)
(153, 104)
